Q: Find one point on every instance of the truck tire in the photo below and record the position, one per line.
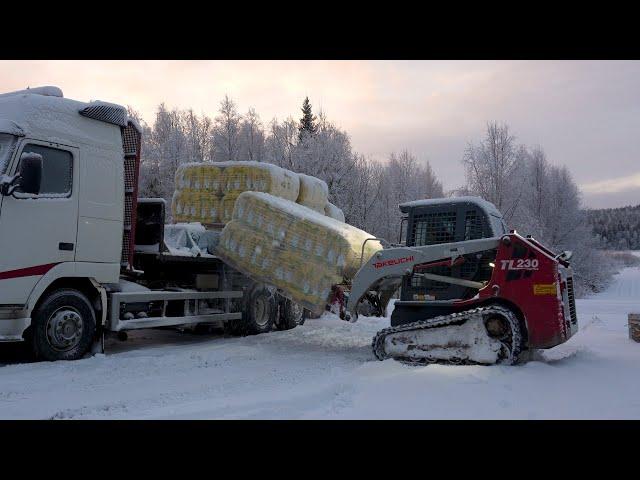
(63, 326)
(291, 314)
(259, 313)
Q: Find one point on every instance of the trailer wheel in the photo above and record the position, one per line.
(291, 314)
(259, 315)
(63, 326)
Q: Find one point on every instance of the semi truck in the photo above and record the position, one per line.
(81, 255)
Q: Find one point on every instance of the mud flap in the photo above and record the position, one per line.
(98, 342)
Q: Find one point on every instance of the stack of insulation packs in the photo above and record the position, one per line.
(206, 192)
(293, 247)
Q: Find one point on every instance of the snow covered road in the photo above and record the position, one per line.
(325, 369)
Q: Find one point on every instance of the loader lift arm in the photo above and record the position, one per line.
(384, 271)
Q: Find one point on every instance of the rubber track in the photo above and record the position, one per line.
(479, 313)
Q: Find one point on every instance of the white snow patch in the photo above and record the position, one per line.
(152, 200)
(47, 91)
(10, 127)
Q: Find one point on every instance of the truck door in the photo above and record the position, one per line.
(39, 232)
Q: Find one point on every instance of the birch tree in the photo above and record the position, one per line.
(536, 198)
(491, 167)
(252, 137)
(226, 132)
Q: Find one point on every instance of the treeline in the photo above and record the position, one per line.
(616, 228)
(537, 198)
(366, 190)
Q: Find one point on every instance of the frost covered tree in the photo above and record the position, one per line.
(281, 143)
(360, 201)
(491, 166)
(175, 137)
(537, 198)
(226, 132)
(252, 138)
(405, 180)
(616, 228)
(167, 149)
(327, 154)
(198, 133)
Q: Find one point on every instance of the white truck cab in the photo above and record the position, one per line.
(72, 228)
(68, 184)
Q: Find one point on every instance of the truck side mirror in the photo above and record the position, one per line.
(30, 173)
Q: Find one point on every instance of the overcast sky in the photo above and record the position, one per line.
(585, 114)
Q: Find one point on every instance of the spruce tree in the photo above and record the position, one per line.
(307, 122)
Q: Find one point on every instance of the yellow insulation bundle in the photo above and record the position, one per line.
(226, 207)
(206, 192)
(238, 177)
(194, 206)
(292, 247)
(330, 210)
(314, 193)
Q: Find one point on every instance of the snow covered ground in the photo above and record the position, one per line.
(325, 369)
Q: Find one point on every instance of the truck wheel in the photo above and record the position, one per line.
(63, 326)
(291, 314)
(259, 313)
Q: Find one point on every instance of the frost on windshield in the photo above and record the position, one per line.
(7, 144)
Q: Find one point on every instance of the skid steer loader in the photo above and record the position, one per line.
(471, 292)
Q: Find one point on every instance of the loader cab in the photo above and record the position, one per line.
(444, 220)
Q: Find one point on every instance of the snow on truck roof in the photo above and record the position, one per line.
(494, 216)
(427, 202)
(45, 114)
(11, 127)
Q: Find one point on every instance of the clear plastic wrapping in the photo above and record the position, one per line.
(330, 210)
(206, 192)
(292, 247)
(222, 178)
(314, 193)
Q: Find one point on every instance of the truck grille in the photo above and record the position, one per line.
(572, 301)
(131, 147)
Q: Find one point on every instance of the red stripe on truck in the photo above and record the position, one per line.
(27, 272)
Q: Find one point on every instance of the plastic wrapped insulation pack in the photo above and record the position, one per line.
(314, 193)
(195, 206)
(222, 178)
(206, 192)
(330, 210)
(292, 247)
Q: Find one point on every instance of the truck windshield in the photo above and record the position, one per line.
(7, 145)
